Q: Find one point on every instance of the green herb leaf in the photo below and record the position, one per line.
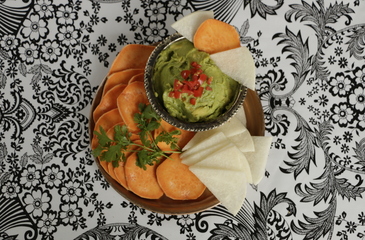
(113, 150)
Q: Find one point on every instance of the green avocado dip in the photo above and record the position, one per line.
(191, 87)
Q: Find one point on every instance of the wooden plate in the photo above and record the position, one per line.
(165, 205)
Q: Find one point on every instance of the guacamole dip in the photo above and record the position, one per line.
(190, 85)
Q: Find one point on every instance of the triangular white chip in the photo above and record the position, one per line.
(238, 64)
(229, 187)
(188, 25)
(204, 147)
(227, 158)
(192, 159)
(231, 128)
(202, 140)
(258, 159)
(243, 141)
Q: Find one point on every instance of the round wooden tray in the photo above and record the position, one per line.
(255, 125)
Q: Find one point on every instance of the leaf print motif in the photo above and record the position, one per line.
(359, 150)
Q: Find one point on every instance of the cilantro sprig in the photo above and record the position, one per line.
(148, 152)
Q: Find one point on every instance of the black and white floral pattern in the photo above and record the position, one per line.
(310, 65)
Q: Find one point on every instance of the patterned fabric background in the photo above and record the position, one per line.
(310, 78)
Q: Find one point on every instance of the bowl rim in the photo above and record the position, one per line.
(161, 110)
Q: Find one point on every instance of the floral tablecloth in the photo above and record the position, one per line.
(310, 69)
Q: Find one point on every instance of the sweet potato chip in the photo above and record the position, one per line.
(137, 78)
(184, 137)
(106, 121)
(131, 56)
(188, 25)
(108, 101)
(214, 36)
(142, 182)
(128, 102)
(120, 77)
(177, 181)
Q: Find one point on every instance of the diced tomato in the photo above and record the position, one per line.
(175, 94)
(208, 88)
(193, 84)
(193, 101)
(203, 76)
(198, 92)
(210, 80)
(195, 65)
(185, 89)
(185, 74)
(178, 84)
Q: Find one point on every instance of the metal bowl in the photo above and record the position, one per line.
(159, 107)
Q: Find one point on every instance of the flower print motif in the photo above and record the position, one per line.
(44, 8)
(338, 51)
(50, 51)
(362, 218)
(71, 191)
(360, 75)
(155, 31)
(351, 227)
(185, 222)
(11, 72)
(30, 177)
(65, 15)
(361, 122)
(102, 40)
(156, 11)
(9, 42)
(53, 176)
(47, 224)
(342, 114)
(68, 35)
(37, 202)
(69, 213)
(357, 99)
(34, 28)
(10, 189)
(342, 62)
(122, 39)
(340, 84)
(175, 6)
(331, 60)
(112, 47)
(20, 114)
(13, 61)
(28, 52)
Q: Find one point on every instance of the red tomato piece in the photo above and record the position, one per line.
(193, 101)
(198, 92)
(185, 74)
(178, 84)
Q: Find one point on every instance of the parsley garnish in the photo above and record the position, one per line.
(148, 152)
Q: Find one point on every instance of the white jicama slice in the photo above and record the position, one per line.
(198, 138)
(241, 67)
(258, 159)
(192, 159)
(231, 128)
(243, 141)
(188, 25)
(227, 158)
(228, 186)
(207, 138)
